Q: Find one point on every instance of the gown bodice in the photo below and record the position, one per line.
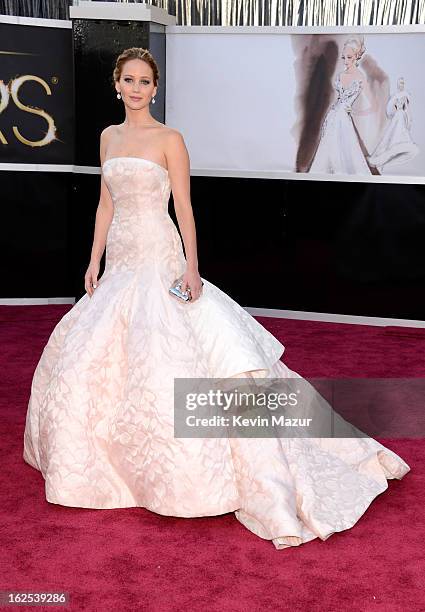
(141, 230)
(137, 185)
(346, 96)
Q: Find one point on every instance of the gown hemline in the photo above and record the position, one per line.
(280, 542)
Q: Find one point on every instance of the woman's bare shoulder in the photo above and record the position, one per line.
(168, 129)
(109, 130)
(173, 135)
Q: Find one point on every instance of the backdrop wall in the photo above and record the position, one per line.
(271, 242)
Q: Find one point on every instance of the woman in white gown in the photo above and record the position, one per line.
(396, 145)
(340, 150)
(99, 424)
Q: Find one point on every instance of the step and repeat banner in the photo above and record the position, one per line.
(36, 94)
(301, 105)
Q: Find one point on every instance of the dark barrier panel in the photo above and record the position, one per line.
(349, 248)
(35, 229)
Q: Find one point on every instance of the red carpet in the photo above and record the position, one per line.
(132, 559)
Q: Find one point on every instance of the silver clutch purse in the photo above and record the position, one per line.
(175, 291)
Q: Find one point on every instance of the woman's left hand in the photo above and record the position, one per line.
(192, 280)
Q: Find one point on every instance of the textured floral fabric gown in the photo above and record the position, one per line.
(99, 424)
(339, 150)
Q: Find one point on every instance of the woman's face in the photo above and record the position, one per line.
(348, 57)
(136, 83)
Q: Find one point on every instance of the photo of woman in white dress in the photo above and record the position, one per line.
(340, 149)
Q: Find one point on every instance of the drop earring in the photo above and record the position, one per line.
(119, 96)
(153, 100)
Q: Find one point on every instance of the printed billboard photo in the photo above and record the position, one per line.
(313, 105)
(355, 108)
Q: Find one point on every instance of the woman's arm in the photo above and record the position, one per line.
(179, 174)
(104, 215)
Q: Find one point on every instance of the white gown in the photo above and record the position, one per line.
(99, 424)
(396, 145)
(339, 150)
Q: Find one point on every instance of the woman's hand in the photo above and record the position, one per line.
(90, 278)
(192, 280)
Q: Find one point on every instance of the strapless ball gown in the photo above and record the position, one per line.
(99, 423)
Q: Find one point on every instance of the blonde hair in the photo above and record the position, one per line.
(135, 53)
(358, 46)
